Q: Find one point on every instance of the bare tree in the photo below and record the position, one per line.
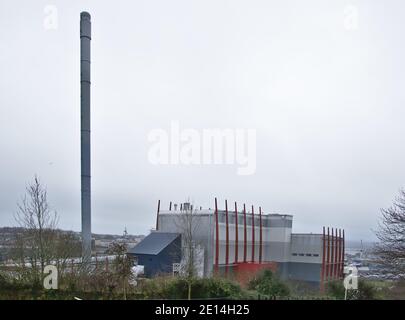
(38, 223)
(40, 242)
(66, 246)
(391, 233)
(187, 222)
(122, 265)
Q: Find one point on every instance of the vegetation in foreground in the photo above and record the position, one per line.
(103, 285)
(268, 284)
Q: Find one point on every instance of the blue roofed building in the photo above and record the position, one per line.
(158, 252)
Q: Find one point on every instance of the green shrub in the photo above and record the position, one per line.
(177, 288)
(267, 283)
(217, 288)
(366, 290)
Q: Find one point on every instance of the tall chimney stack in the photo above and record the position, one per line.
(85, 38)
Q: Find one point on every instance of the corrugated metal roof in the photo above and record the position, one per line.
(154, 243)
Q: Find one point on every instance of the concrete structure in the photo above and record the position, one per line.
(243, 238)
(85, 38)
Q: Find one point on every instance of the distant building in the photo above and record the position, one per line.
(238, 243)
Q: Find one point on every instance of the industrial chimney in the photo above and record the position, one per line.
(85, 38)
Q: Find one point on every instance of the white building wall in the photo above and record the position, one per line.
(306, 248)
(171, 221)
(276, 235)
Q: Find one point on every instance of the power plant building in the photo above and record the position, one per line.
(238, 242)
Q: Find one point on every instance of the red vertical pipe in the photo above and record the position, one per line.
(338, 275)
(253, 234)
(226, 238)
(332, 251)
(343, 251)
(323, 260)
(261, 236)
(157, 216)
(342, 257)
(327, 258)
(245, 234)
(339, 255)
(216, 237)
(336, 255)
(236, 233)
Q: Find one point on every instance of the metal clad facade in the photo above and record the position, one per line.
(227, 235)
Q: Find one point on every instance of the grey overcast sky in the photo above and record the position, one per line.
(325, 97)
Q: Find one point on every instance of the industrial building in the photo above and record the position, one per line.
(238, 242)
(158, 251)
(233, 241)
